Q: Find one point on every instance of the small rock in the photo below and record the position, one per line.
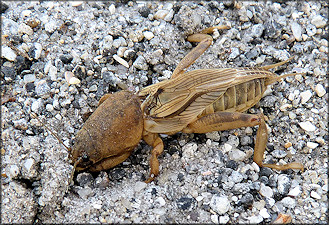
(112, 9)
(255, 219)
(220, 204)
(8, 53)
(93, 88)
(305, 96)
(235, 52)
(279, 154)
(289, 202)
(236, 155)
(66, 58)
(28, 164)
(29, 78)
(284, 184)
(247, 199)
(263, 212)
(241, 188)
(236, 177)
(214, 219)
(140, 63)
(265, 191)
(13, 171)
(52, 72)
(296, 30)
(257, 30)
(25, 29)
(185, 203)
(312, 145)
(121, 61)
(320, 90)
(20, 124)
(148, 35)
(224, 219)
(295, 191)
(160, 14)
(139, 186)
(288, 144)
(49, 107)
(42, 88)
(85, 179)
(76, 3)
(36, 105)
(307, 126)
(319, 21)
(51, 26)
(315, 195)
(37, 50)
(85, 193)
(160, 200)
(227, 148)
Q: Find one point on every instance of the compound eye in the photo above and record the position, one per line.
(85, 158)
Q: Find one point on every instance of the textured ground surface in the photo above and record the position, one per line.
(206, 178)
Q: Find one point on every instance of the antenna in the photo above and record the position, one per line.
(60, 141)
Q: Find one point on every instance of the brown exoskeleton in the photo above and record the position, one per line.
(198, 101)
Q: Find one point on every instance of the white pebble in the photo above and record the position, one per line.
(214, 219)
(26, 13)
(69, 76)
(25, 29)
(224, 219)
(28, 164)
(319, 21)
(307, 126)
(160, 200)
(289, 202)
(263, 212)
(294, 192)
(140, 186)
(312, 145)
(305, 96)
(8, 53)
(220, 204)
(296, 30)
(236, 155)
(112, 9)
(265, 191)
(315, 195)
(255, 219)
(76, 3)
(13, 171)
(319, 89)
(148, 35)
(160, 14)
(121, 61)
(38, 50)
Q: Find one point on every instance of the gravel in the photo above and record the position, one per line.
(204, 178)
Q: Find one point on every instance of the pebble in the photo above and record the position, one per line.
(160, 200)
(220, 204)
(305, 96)
(139, 186)
(161, 14)
(20, 124)
(76, 3)
(140, 63)
(49, 107)
(311, 145)
(279, 154)
(295, 191)
(8, 53)
(51, 26)
(42, 88)
(29, 78)
(236, 155)
(236, 177)
(37, 51)
(185, 203)
(255, 219)
(28, 164)
(289, 202)
(224, 219)
(265, 191)
(263, 212)
(214, 219)
(13, 171)
(25, 29)
(52, 73)
(112, 9)
(36, 105)
(257, 30)
(284, 184)
(296, 30)
(307, 126)
(320, 90)
(318, 21)
(148, 35)
(121, 61)
(315, 195)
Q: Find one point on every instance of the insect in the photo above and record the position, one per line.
(198, 101)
